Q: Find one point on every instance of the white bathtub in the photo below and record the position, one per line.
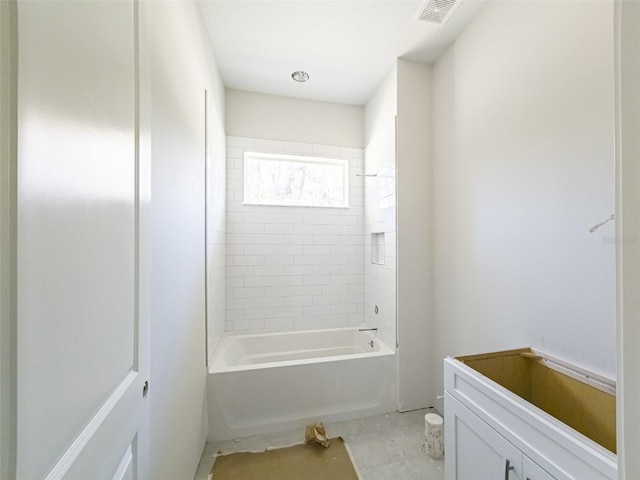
(266, 382)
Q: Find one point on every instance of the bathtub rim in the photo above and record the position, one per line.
(386, 349)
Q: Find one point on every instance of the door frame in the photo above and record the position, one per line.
(8, 239)
(627, 147)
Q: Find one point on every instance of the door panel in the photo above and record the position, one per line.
(477, 451)
(80, 365)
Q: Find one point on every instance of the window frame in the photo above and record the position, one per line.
(296, 158)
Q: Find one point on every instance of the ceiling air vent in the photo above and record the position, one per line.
(437, 11)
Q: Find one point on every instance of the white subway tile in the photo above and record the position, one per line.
(233, 162)
(258, 217)
(253, 324)
(268, 239)
(316, 219)
(269, 270)
(286, 291)
(317, 309)
(317, 250)
(288, 249)
(299, 270)
(292, 218)
(278, 323)
(239, 271)
(317, 280)
(269, 145)
(326, 299)
(279, 228)
(246, 260)
(232, 282)
(308, 229)
(298, 300)
(301, 148)
(346, 250)
(328, 150)
(235, 217)
(234, 174)
(248, 292)
(247, 228)
(335, 229)
(327, 269)
(331, 321)
(245, 142)
(233, 315)
(350, 152)
(344, 308)
(240, 238)
(259, 249)
(356, 259)
(343, 279)
(307, 259)
(328, 239)
(280, 260)
(307, 290)
(335, 289)
(269, 302)
(336, 260)
(235, 303)
(308, 322)
(352, 298)
(352, 269)
(235, 152)
(267, 281)
(289, 310)
(298, 239)
(258, 313)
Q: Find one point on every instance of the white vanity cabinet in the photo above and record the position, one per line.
(476, 451)
(532, 471)
(492, 433)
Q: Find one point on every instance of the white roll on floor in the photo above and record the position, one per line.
(433, 433)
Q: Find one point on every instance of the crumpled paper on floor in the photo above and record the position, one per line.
(316, 433)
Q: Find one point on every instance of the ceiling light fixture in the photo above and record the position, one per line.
(300, 76)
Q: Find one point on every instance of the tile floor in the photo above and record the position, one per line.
(385, 447)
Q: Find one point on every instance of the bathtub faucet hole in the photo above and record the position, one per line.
(371, 343)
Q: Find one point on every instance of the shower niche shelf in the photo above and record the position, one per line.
(524, 414)
(377, 248)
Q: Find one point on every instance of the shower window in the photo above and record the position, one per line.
(295, 180)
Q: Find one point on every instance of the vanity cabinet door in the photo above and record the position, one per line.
(474, 450)
(532, 471)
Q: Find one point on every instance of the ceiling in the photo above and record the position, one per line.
(346, 46)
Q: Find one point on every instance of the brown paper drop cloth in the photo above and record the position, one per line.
(308, 462)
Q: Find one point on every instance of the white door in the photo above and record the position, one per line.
(82, 279)
(476, 451)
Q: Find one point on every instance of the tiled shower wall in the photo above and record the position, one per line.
(293, 267)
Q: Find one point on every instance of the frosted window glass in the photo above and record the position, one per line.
(292, 180)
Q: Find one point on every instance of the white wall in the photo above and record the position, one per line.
(380, 206)
(272, 117)
(182, 68)
(523, 162)
(628, 234)
(293, 267)
(414, 166)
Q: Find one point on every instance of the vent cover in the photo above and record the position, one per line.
(437, 11)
